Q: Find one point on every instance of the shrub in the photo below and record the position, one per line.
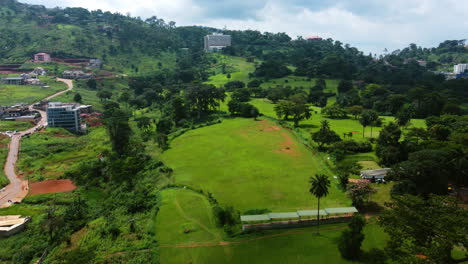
(351, 146)
(351, 239)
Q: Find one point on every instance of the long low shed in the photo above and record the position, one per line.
(298, 214)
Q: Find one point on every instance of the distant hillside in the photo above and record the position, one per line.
(444, 56)
(123, 42)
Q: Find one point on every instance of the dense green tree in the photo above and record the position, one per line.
(355, 110)
(103, 95)
(272, 69)
(91, 84)
(325, 136)
(116, 121)
(345, 86)
(77, 98)
(360, 192)
(389, 148)
(254, 83)
(203, 97)
(351, 239)
(365, 121)
(233, 85)
(404, 116)
(425, 172)
(425, 227)
(335, 111)
(319, 188)
(241, 95)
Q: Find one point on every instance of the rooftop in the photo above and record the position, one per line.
(298, 214)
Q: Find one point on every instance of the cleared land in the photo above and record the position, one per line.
(185, 209)
(250, 165)
(28, 94)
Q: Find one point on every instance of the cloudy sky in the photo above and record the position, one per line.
(370, 25)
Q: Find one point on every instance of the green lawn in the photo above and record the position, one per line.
(49, 154)
(89, 97)
(238, 67)
(340, 126)
(4, 140)
(28, 94)
(250, 165)
(185, 209)
(13, 125)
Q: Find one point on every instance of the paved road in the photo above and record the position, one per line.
(18, 187)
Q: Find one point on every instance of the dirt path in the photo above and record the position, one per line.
(18, 187)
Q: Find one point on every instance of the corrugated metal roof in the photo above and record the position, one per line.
(253, 218)
(283, 215)
(311, 213)
(343, 210)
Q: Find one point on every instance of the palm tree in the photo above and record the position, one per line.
(320, 184)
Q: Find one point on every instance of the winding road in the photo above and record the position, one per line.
(18, 187)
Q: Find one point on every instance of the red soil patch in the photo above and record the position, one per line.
(357, 180)
(51, 186)
(355, 132)
(288, 146)
(273, 128)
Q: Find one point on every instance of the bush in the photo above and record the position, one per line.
(351, 239)
(242, 109)
(232, 85)
(257, 211)
(351, 146)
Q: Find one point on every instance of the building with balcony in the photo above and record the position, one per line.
(64, 115)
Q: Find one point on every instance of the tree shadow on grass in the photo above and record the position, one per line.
(308, 126)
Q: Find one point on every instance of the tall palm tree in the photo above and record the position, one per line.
(320, 184)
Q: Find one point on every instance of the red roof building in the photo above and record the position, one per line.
(314, 37)
(42, 57)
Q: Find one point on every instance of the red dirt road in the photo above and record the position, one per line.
(51, 186)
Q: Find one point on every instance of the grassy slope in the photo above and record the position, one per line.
(14, 94)
(182, 209)
(238, 67)
(243, 163)
(4, 140)
(48, 155)
(12, 126)
(89, 97)
(340, 126)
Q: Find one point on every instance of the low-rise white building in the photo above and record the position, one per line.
(460, 68)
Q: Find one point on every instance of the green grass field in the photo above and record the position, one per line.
(89, 97)
(4, 140)
(250, 164)
(185, 209)
(340, 126)
(28, 94)
(238, 67)
(12, 126)
(49, 154)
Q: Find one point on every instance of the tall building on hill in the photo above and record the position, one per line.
(216, 42)
(460, 68)
(64, 116)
